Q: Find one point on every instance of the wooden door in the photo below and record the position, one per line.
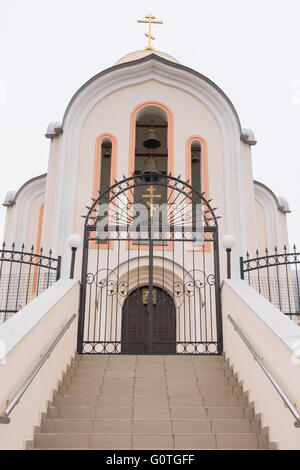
(135, 323)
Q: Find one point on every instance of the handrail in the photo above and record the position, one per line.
(276, 385)
(4, 417)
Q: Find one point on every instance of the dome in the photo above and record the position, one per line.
(144, 53)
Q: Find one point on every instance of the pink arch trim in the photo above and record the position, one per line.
(97, 172)
(204, 169)
(170, 134)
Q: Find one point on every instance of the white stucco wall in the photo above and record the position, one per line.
(23, 215)
(271, 222)
(276, 339)
(24, 339)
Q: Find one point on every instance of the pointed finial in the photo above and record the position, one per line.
(150, 19)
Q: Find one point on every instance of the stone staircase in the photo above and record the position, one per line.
(150, 402)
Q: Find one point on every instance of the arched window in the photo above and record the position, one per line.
(149, 121)
(104, 163)
(151, 140)
(196, 169)
(196, 164)
(151, 147)
(196, 174)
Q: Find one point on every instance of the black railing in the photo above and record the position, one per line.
(23, 276)
(276, 276)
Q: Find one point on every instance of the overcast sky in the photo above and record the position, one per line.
(250, 49)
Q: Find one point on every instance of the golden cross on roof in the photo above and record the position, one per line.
(151, 196)
(150, 20)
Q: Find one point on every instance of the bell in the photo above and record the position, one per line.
(106, 149)
(195, 156)
(107, 154)
(150, 171)
(151, 141)
(150, 165)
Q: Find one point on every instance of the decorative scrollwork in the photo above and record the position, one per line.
(111, 287)
(108, 279)
(199, 278)
(211, 279)
(189, 288)
(204, 348)
(89, 278)
(123, 288)
(178, 289)
(270, 260)
(197, 281)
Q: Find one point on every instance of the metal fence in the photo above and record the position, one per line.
(23, 276)
(276, 276)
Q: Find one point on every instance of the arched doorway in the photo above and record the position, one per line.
(136, 333)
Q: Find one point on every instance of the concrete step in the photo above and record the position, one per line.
(111, 411)
(171, 380)
(160, 426)
(179, 407)
(147, 359)
(155, 441)
(146, 387)
(217, 399)
(151, 368)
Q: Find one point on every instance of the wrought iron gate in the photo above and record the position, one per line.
(150, 271)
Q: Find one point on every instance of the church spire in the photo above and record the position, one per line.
(149, 19)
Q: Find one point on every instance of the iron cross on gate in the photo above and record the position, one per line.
(151, 196)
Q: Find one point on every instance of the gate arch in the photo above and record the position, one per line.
(173, 247)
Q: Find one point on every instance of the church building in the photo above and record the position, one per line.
(149, 174)
(149, 114)
(100, 140)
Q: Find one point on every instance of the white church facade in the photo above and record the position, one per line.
(146, 86)
(195, 137)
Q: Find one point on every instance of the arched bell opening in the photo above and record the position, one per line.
(196, 164)
(151, 143)
(105, 164)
